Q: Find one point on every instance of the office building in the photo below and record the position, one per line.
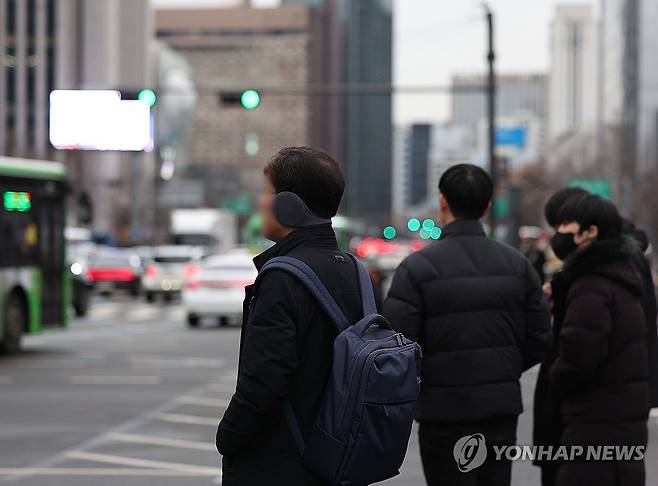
(231, 50)
(518, 95)
(574, 70)
(367, 127)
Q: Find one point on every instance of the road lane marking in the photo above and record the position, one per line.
(162, 441)
(202, 401)
(133, 461)
(86, 471)
(114, 380)
(6, 380)
(223, 388)
(175, 362)
(54, 364)
(141, 314)
(102, 438)
(185, 419)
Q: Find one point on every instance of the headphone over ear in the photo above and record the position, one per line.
(289, 210)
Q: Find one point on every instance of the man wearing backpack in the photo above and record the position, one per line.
(287, 338)
(476, 307)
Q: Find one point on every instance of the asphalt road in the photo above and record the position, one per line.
(130, 396)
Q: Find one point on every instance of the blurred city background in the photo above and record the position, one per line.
(133, 134)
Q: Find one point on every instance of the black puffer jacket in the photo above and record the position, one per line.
(285, 350)
(600, 372)
(476, 307)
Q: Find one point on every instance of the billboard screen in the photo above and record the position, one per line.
(99, 120)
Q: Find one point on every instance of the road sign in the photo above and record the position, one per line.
(511, 137)
(598, 186)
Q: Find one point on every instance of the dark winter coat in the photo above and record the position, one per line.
(641, 265)
(600, 372)
(547, 418)
(285, 350)
(476, 307)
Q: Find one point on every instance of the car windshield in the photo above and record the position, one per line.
(112, 261)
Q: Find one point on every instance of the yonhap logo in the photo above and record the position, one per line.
(470, 452)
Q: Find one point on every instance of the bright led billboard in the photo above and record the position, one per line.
(99, 120)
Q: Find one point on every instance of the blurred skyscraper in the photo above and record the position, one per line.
(574, 70)
(367, 139)
(518, 95)
(364, 30)
(629, 80)
(422, 152)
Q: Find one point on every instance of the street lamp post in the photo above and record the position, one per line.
(491, 112)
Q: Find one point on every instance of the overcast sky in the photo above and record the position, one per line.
(435, 39)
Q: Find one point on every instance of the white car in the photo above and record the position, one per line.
(167, 269)
(217, 290)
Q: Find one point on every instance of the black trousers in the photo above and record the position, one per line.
(437, 441)
(613, 473)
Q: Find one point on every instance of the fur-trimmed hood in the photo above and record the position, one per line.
(606, 258)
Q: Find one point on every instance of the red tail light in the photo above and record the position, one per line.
(191, 270)
(117, 274)
(193, 284)
(151, 271)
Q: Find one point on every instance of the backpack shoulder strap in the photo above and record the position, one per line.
(313, 283)
(365, 285)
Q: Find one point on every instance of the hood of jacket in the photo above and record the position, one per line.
(606, 258)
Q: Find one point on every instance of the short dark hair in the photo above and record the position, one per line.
(312, 174)
(557, 200)
(588, 210)
(468, 190)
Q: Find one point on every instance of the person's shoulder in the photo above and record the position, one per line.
(425, 255)
(276, 278)
(514, 256)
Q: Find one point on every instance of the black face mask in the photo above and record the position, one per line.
(563, 245)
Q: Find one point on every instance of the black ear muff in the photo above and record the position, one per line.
(291, 211)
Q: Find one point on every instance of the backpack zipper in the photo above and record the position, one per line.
(362, 349)
(369, 359)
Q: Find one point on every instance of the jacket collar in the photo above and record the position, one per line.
(463, 227)
(316, 236)
(606, 258)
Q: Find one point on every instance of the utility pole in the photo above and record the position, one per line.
(491, 114)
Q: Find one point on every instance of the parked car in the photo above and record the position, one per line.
(167, 269)
(113, 269)
(217, 290)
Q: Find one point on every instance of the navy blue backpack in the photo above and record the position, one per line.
(361, 434)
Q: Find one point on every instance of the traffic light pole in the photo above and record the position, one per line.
(491, 114)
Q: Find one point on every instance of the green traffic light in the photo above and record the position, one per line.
(250, 99)
(389, 232)
(413, 224)
(435, 233)
(428, 224)
(425, 233)
(148, 96)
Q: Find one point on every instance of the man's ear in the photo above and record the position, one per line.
(443, 203)
(593, 231)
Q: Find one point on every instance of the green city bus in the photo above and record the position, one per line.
(34, 281)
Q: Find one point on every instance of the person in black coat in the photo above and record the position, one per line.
(287, 339)
(476, 307)
(547, 427)
(641, 264)
(600, 370)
